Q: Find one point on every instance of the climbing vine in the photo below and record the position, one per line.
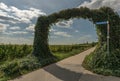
(99, 58)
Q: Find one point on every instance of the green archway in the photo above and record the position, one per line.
(41, 46)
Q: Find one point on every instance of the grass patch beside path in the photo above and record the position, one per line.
(63, 55)
(18, 67)
(101, 63)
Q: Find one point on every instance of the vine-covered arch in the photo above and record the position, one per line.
(44, 23)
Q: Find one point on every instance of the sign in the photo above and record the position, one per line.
(103, 22)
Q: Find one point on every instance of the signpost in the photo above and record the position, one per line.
(108, 37)
(108, 33)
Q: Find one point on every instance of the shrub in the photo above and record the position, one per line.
(19, 66)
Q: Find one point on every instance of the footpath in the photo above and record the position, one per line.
(69, 69)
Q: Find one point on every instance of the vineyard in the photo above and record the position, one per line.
(16, 60)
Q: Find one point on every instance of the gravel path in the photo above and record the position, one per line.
(69, 69)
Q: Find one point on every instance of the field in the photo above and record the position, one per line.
(16, 60)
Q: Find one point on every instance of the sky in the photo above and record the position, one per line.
(18, 19)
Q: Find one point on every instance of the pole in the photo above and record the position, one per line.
(108, 37)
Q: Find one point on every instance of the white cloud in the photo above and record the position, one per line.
(4, 7)
(15, 14)
(76, 31)
(3, 27)
(115, 4)
(31, 27)
(52, 30)
(19, 32)
(16, 40)
(85, 38)
(15, 32)
(51, 37)
(13, 22)
(33, 33)
(2, 20)
(15, 28)
(64, 34)
(65, 24)
(7, 21)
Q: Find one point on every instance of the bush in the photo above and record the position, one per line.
(116, 72)
(19, 66)
(102, 63)
(105, 72)
(10, 52)
(10, 68)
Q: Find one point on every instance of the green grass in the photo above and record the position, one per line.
(63, 55)
(14, 66)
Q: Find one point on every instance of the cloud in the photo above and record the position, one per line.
(8, 20)
(15, 40)
(51, 37)
(14, 28)
(19, 32)
(15, 32)
(4, 7)
(76, 31)
(3, 27)
(6, 17)
(31, 27)
(52, 30)
(64, 34)
(19, 15)
(85, 38)
(65, 24)
(115, 4)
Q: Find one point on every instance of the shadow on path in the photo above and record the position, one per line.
(67, 75)
(62, 73)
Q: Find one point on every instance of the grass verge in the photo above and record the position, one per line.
(17, 67)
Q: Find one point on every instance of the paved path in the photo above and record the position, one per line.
(69, 69)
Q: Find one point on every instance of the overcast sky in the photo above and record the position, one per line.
(18, 18)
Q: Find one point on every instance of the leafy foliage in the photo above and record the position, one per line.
(23, 62)
(10, 52)
(99, 58)
(68, 48)
(18, 67)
